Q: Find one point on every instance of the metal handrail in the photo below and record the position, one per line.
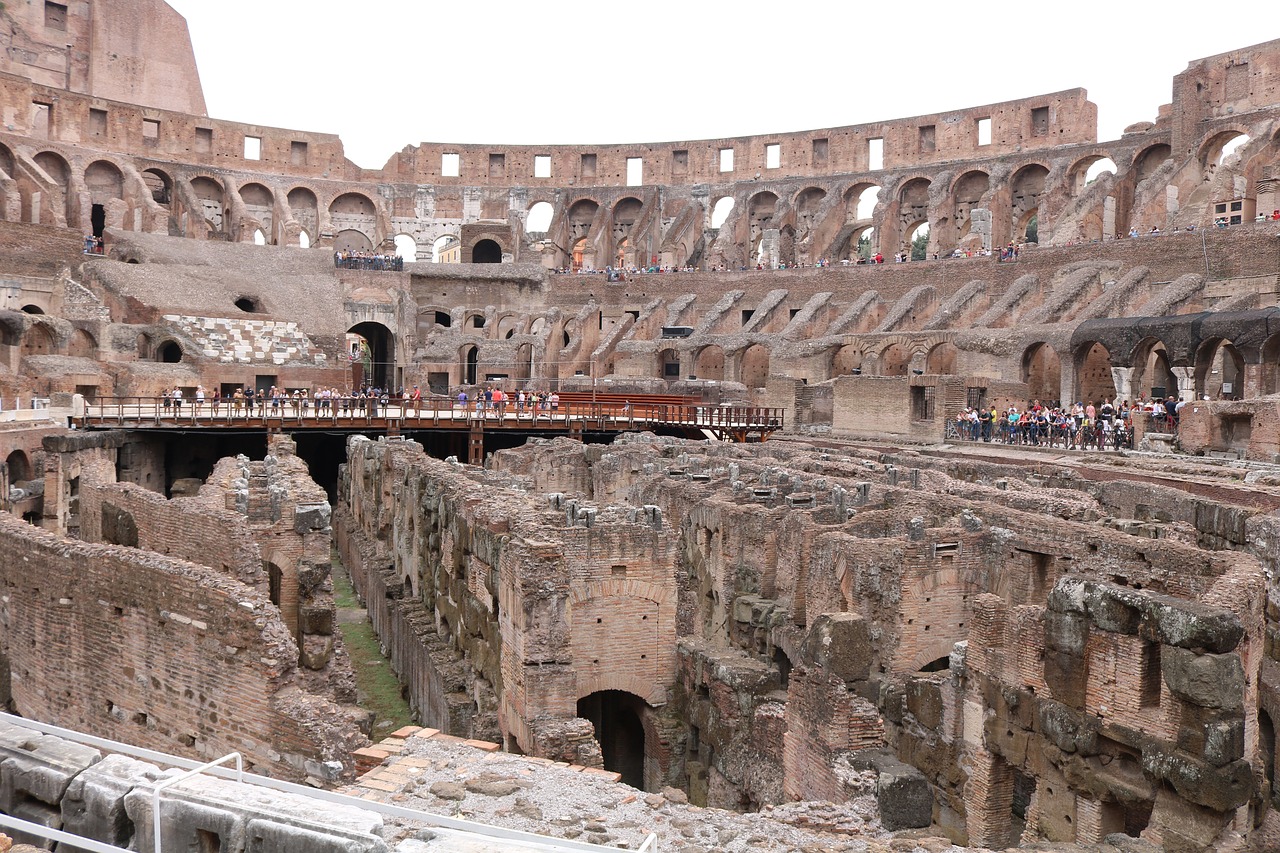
(79, 842)
(182, 777)
(405, 413)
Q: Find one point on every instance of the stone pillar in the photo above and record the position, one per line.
(1109, 218)
(989, 801)
(1122, 378)
(1186, 377)
(980, 224)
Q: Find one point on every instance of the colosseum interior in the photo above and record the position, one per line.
(745, 563)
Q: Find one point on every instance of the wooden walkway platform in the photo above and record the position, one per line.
(573, 417)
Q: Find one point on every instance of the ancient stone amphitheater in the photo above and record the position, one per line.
(926, 641)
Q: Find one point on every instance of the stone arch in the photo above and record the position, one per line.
(6, 162)
(1210, 153)
(1078, 176)
(381, 343)
(846, 360)
(860, 200)
(352, 241)
(304, 207)
(582, 213)
(486, 251)
(720, 211)
(355, 212)
(1150, 159)
(259, 204)
(38, 340)
(160, 184)
(209, 192)
(913, 205)
(104, 183)
(709, 363)
(19, 465)
(55, 166)
(1042, 373)
(82, 345)
(406, 247)
(618, 719)
(538, 218)
(1153, 369)
(469, 358)
(895, 360)
(753, 366)
(1026, 187)
(1094, 380)
(169, 352)
(1270, 379)
(508, 325)
(1219, 370)
(761, 208)
(59, 206)
(941, 359)
(967, 193)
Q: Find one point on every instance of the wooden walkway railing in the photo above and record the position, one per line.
(572, 417)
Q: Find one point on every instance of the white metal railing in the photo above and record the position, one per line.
(42, 831)
(195, 771)
(528, 839)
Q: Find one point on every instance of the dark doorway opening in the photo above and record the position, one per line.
(98, 219)
(379, 370)
(169, 353)
(486, 252)
(616, 717)
(473, 360)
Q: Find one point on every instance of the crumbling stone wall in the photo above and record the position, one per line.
(511, 608)
(849, 612)
(162, 653)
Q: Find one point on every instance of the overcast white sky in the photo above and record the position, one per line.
(388, 73)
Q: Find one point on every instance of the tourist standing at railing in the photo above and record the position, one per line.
(237, 403)
(215, 402)
(177, 401)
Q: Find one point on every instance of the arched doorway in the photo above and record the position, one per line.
(169, 352)
(754, 370)
(1219, 370)
(709, 363)
(615, 715)
(941, 359)
(471, 365)
(1152, 373)
(846, 360)
(486, 252)
(38, 340)
(19, 466)
(1094, 381)
(351, 241)
(378, 367)
(895, 361)
(1042, 371)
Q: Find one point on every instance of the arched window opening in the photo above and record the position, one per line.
(721, 211)
(169, 352)
(539, 219)
(920, 242)
(867, 201)
(406, 247)
(1100, 167)
(304, 240)
(259, 239)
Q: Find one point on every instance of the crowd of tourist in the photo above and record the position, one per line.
(354, 260)
(1082, 426)
(247, 402)
(93, 245)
